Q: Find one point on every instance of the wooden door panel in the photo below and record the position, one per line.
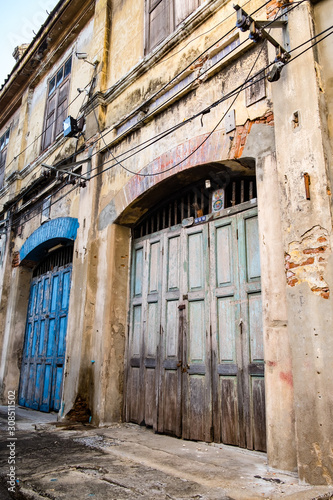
(252, 336)
(138, 271)
(224, 256)
(144, 338)
(229, 410)
(195, 427)
(258, 413)
(152, 329)
(255, 328)
(195, 262)
(226, 330)
(153, 267)
(252, 248)
(47, 382)
(136, 331)
(171, 400)
(150, 397)
(134, 392)
(173, 268)
(196, 333)
(172, 329)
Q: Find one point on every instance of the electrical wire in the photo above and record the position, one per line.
(204, 111)
(18, 220)
(174, 78)
(40, 135)
(172, 98)
(152, 97)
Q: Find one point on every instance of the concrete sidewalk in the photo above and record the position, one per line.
(125, 461)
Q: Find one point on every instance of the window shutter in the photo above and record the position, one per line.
(159, 21)
(3, 156)
(62, 107)
(183, 8)
(49, 121)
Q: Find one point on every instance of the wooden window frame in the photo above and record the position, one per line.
(58, 87)
(169, 17)
(4, 140)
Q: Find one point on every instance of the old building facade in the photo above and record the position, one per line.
(165, 253)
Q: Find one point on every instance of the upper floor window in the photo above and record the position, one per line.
(163, 17)
(4, 139)
(57, 102)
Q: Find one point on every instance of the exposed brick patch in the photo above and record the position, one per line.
(200, 62)
(311, 269)
(200, 150)
(16, 259)
(243, 131)
(272, 8)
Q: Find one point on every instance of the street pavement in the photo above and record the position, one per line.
(46, 459)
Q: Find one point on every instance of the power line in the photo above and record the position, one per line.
(40, 135)
(201, 144)
(14, 222)
(157, 93)
(190, 83)
(18, 220)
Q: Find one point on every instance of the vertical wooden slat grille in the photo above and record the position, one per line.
(194, 202)
(58, 258)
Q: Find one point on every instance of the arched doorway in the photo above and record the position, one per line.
(195, 366)
(50, 251)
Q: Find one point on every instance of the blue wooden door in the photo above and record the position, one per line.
(45, 341)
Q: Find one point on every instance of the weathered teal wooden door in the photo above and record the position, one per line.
(195, 349)
(144, 338)
(45, 341)
(237, 339)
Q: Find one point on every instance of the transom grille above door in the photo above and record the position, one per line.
(195, 201)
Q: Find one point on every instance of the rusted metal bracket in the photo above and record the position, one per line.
(245, 22)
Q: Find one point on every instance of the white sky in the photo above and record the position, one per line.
(19, 18)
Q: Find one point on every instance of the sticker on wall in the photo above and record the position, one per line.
(218, 200)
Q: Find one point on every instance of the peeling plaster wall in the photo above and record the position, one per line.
(295, 232)
(279, 390)
(307, 241)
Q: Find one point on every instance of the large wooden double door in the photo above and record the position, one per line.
(195, 366)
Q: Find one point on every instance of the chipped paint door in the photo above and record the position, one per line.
(185, 380)
(238, 358)
(171, 339)
(45, 341)
(143, 342)
(195, 349)
(196, 368)
(168, 369)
